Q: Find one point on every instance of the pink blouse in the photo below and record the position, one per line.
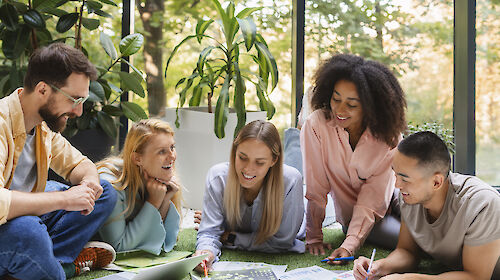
(361, 182)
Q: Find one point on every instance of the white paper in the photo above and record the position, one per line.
(228, 266)
(315, 273)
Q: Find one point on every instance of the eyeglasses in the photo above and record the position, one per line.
(76, 101)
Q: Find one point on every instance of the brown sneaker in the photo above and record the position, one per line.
(94, 255)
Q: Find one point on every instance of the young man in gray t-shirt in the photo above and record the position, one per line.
(452, 217)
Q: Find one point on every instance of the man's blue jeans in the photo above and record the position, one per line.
(34, 247)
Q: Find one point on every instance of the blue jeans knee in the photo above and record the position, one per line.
(26, 250)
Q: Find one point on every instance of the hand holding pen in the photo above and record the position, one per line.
(371, 263)
(365, 268)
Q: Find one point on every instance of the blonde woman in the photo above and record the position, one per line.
(146, 215)
(254, 202)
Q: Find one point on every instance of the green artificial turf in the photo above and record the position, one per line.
(187, 242)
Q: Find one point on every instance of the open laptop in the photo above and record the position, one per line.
(176, 270)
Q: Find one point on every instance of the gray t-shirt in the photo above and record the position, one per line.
(25, 174)
(470, 217)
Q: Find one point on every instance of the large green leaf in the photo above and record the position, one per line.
(222, 109)
(131, 44)
(93, 5)
(112, 110)
(15, 42)
(233, 24)
(247, 12)
(34, 19)
(96, 90)
(203, 57)
(249, 30)
(55, 12)
(239, 99)
(133, 111)
(109, 2)
(107, 123)
(201, 26)
(176, 48)
(42, 5)
(196, 98)
(106, 87)
(189, 83)
(270, 61)
(66, 22)
(108, 46)
(226, 21)
(134, 68)
(130, 82)
(90, 23)
(102, 13)
(9, 16)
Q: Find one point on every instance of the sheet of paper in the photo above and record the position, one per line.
(264, 273)
(233, 266)
(229, 266)
(140, 259)
(315, 273)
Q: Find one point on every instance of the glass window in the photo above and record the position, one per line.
(413, 37)
(488, 91)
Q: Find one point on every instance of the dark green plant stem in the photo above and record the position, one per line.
(78, 35)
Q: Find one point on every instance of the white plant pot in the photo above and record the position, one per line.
(198, 148)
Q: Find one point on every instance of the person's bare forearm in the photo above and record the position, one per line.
(452, 275)
(86, 170)
(35, 204)
(399, 260)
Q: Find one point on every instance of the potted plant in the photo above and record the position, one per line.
(231, 48)
(218, 70)
(25, 27)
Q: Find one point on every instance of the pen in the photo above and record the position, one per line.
(205, 268)
(371, 262)
(351, 258)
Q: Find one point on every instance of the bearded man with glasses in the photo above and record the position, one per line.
(45, 226)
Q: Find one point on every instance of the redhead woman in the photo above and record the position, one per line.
(347, 145)
(146, 215)
(254, 202)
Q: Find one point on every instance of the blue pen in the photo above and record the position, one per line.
(371, 262)
(351, 258)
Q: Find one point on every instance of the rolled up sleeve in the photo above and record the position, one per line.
(316, 181)
(5, 197)
(212, 223)
(371, 205)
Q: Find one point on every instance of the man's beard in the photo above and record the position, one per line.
(54, 122)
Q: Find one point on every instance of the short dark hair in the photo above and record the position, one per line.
(382, 98)
(55, 63)
(430, 151)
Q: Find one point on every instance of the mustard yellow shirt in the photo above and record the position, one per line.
(51, 150)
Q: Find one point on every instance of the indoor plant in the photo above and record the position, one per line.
(223, 69)
(219, 71)
(27, 26)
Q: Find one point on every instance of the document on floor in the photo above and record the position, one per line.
(226, 266)
(315, 273)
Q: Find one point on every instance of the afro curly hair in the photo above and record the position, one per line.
(382, 98)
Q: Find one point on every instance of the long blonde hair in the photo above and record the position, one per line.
(128, 174)
(273, 186)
